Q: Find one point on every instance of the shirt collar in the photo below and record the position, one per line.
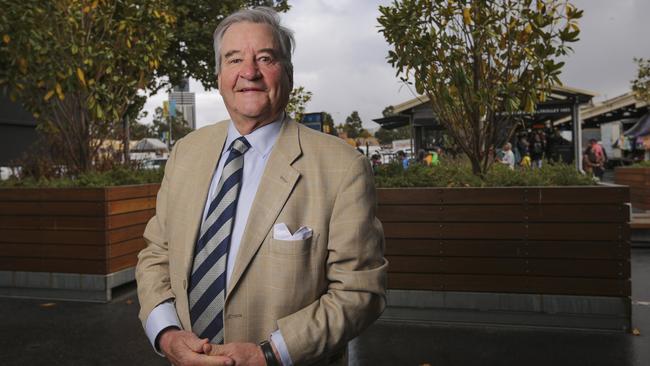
(261, 139)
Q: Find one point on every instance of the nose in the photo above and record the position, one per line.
(250, 70)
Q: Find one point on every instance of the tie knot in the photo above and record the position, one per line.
(240, 145)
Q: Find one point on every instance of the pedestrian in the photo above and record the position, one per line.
(401, 158)
(265, 248)
(537, 151)
(508, 157)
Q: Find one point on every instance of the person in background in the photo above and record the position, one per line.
(401, 157)
(537, 151)
(508, 157)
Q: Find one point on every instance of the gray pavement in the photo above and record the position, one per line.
(37, 332)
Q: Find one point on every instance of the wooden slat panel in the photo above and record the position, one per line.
(533, 231)
(125, 233)
(52, 251)
(131, 205)
(509, 284)
(52, 265)
(131, 218)
(51, 194)
(504, 195)
(133, 246)
(52, 236)
(52, 208)
(52, 222)
(120, 263)
(578, 195)
(503, 213)
(506, 249)
(449, 196)
(133, 191)
(511, 266)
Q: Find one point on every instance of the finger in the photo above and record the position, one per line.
(195, 343)
(205, 360)
(214, 350)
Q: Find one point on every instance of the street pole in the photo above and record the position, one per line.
(577, 135)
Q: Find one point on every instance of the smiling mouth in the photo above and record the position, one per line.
(243, 90)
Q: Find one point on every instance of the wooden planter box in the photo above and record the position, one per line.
(71, 243)
(556, 256)
(638, 179)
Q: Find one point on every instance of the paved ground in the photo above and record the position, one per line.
(36, 332)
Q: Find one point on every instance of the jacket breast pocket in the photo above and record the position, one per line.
(291, 247)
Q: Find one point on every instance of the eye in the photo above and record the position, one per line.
(234, 60)
(265, 59)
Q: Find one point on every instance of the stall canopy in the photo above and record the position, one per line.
(641, 128)
(150, 144)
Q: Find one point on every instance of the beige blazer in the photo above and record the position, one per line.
(319, 292)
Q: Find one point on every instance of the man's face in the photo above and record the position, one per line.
(252, 80)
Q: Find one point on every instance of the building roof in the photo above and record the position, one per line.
(559, 94)
(617, 108)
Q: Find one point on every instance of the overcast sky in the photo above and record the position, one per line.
(341, 57)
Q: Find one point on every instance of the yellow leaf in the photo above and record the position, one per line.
(41, 84)
(528, 29)
(80, 75)
(467, 17)
(94, 5)
(59, 91)
(48, 95)
(22, 65)
(6, 39)
(128, 43)
(86, 10)
(574, 26)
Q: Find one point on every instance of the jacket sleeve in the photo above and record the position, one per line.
(152, 270)
(356, 273)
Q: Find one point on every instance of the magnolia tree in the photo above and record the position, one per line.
(641, 85)
(78, 65)
(480, 62)
(298, 100)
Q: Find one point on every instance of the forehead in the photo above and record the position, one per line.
(247, 35)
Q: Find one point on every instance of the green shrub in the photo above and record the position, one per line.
(118, 176)
(458, 173)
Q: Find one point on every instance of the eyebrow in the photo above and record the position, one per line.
(272, 51)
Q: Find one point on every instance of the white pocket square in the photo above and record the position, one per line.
(281, 232)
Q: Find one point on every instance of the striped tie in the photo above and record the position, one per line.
(207, 290)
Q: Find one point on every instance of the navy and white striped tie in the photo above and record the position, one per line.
(207, 291)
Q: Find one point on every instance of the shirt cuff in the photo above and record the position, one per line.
(161, 317)
(281, 346)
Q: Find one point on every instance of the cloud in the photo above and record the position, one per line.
(341, 57)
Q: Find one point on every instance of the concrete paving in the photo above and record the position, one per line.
(37, 332)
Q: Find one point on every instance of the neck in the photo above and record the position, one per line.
(246, 126)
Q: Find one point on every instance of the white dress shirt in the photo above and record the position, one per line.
(262, 141)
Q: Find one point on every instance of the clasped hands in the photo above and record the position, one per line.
(184, 348)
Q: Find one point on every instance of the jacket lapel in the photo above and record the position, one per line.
(200, 185)
(276, 185)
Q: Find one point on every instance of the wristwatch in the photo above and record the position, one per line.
(269, 355)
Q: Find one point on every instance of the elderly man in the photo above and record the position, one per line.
(265, 248)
